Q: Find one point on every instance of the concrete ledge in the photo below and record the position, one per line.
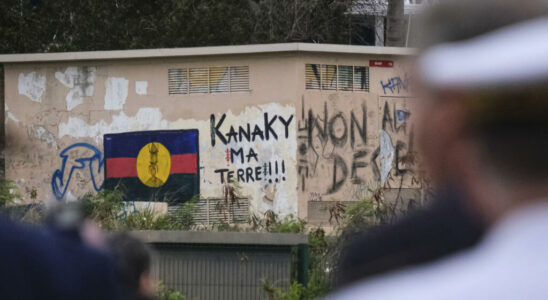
(203, 51)
(211, 237)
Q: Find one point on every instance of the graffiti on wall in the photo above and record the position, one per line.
(79, 156)
(395, 85)
(345, 149)
(321, 134)
(255, 148)
(240, 150)
(400, 136)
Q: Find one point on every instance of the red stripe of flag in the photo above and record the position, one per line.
(184, 163)
(121, 167)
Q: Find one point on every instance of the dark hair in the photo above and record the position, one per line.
(132, 257)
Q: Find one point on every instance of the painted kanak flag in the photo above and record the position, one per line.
(153, 165)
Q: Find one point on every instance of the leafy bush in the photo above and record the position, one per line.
(271, 223)
(289, 224)
(145, 219)
(168, 294)
(183, 217)
(359, 216)
(105, 207)
(296, 291)
(8, 192)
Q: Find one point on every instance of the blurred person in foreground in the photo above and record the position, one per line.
(484, 126)
(448, 223)
(133, 260)
(444, 226)
(54, 262)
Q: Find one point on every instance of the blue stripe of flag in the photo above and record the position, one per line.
(130, 143)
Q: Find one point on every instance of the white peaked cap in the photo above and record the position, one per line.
(512, 55)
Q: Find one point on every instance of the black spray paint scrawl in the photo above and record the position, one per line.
(263, 131)
(270, 172)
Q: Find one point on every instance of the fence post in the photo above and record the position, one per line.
(303, 261)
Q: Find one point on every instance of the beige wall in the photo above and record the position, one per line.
(48, 111)
(336, 160)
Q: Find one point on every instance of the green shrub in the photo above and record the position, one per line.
(223, 225)
(145, 219)
(271, 223)
(105, 207)
(183, 217)
(8, 192)
(359, 216)
(289, 224)
(168, 294)
(295, 292)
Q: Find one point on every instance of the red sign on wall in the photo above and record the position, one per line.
(381, 63)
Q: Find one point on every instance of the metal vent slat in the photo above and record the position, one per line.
(218, 79)
(345, 78)
(312, 76)
(208, 80)
(199, 82)
(208, 214)
(329, 77)
(239, 79)
(361, 79)
(178, 81)
(336, 77)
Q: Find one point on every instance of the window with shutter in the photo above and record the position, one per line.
(218, 79)
(346, 78)
(361, 79)
(329, 77)
(199, 82)
(178, 81)
(313, 77)
(336, 77)
(208, 80)
(239, 79)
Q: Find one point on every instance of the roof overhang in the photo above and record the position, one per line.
(204, 51)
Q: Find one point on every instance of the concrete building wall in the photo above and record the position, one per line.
(352, 143)
(328, 145)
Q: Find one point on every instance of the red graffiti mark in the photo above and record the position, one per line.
(227, 156)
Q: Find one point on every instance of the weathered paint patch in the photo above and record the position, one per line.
(141, 87)
(10, 116)
(116, 93)
(386, 154)
(41, 133)
(81, 81)
(32, 85)
(146, 119)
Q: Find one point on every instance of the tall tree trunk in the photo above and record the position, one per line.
(395, 24)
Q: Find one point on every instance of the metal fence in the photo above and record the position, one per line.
(226, 265)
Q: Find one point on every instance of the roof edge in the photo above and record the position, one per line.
(202, 51)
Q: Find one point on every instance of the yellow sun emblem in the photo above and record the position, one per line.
(153, 164)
